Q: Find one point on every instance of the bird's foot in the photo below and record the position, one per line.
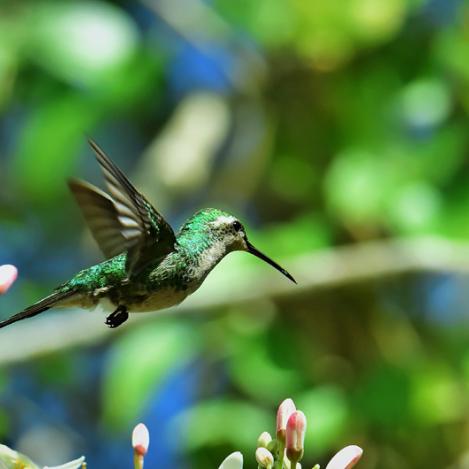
(118, 317)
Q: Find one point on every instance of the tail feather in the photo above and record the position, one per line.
(38, 307)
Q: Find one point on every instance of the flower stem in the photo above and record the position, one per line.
(280, 455)
(138, 461)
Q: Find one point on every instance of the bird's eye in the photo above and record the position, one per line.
(237, 225)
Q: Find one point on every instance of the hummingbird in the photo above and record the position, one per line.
(148, 267)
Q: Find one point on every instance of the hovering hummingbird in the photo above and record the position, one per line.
(147, 266)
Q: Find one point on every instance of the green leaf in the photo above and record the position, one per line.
(254, 370)
(327, 412)
(437, 396)
(357, 186)
(139, 363)
(222, 421)
(415, 208)
(83, 41)
(49, 145)
(384, 384)
(303, 234)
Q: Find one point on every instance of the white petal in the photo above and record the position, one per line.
(346, 458)
(75, 464)
(141, 437)
(233, 461)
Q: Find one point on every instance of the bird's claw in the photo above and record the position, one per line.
(118, 317)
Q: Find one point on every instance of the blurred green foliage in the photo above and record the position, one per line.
(320, 124)
(142, 358)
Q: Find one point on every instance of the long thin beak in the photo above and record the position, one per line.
(259, 254)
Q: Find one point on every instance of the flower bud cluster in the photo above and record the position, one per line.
(286, 450)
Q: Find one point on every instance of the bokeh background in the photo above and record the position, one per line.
(338, 132)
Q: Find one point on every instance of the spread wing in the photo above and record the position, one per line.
(101, 215)
(125, 220)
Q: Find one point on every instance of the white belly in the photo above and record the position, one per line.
(159, 300)
(103, 306)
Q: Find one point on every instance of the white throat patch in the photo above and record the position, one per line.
(209, 259)
(223, 220)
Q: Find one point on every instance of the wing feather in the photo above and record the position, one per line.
(101, 215)
(148, 235)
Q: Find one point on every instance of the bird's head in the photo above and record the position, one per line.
(230, 232)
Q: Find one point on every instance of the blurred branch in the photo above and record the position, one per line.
(317, 270)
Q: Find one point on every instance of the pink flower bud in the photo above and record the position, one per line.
(346, 458)
(286, 408)
(295, 436)
(140, 439)
(8, 274)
